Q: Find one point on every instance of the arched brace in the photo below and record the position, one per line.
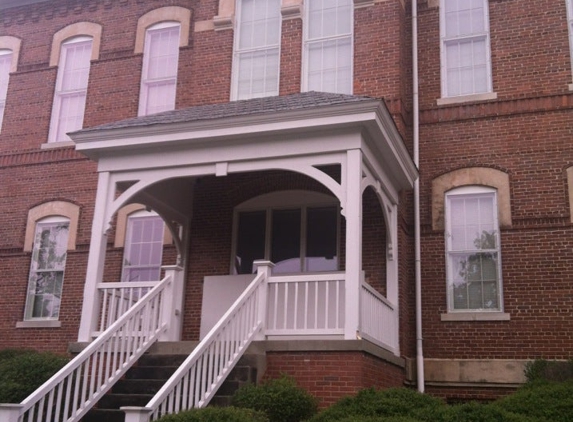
(388, 209)
(178, 236)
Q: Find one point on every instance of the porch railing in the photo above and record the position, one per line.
(73, 390)
(306, 305)
(117, 298)
(195, 382)
(378, 319)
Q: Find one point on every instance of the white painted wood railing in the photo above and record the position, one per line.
(310, 304)
(378, 319)
(73, 390)
(117, 298)
(196, 381)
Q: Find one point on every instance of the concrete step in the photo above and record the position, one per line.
(104, 415)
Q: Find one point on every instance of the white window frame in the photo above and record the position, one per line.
(308, 42)
(468, 191)
(445, 40)
(284, 200)
(569, 4)
(5, 54)
(142, 214)
(31, 292)
(238, 52)
(60, 94)
(148, 82)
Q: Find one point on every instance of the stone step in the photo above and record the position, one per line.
(115, 401)
(137, 386)
(104, 415)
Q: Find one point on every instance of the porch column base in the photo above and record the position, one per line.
(172, 313)
(136, 414)
(10, 412)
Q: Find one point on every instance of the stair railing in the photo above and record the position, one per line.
(73, 390)
(196, 381)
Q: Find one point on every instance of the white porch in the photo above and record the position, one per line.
(153, 159)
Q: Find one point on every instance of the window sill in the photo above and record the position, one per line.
(48, 323)
(475, 316)
(467, 98)
(61, 144)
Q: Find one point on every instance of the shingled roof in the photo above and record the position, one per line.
(299, 101)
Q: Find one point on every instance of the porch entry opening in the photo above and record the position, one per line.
(303, 239)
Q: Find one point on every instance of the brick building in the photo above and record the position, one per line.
(182, 140)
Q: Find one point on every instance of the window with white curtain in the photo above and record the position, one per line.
(465, 47)
(71, 88)
(328, 46)
(159, 74)
(5, 63)
(47, 268)
(473, 250)
(143, 247)
(256, 51)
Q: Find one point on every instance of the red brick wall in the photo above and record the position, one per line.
(323, 376)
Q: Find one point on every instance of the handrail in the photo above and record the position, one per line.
(197, 379)
(378, 318)
(74, 389)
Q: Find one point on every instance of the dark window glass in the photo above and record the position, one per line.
(251, 241)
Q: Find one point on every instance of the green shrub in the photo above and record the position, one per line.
(22, 371)
(551, 402)
(476, 412)
(281, 399)
(217, 414)
(390, 404)
(545, 370)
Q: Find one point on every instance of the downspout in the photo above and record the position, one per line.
(417, 253)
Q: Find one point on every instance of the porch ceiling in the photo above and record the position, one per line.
(305, 124)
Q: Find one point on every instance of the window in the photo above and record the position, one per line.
(47, 269)
(472, 249)
(256, 58)
(143, 247)
(5, 65)
(160, 61)
(465, 49)
(296, 240)
(328, 46)
(71, 88)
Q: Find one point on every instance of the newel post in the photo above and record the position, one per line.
(172, 312)
(10, 412)
(265, 268)
(136, 414)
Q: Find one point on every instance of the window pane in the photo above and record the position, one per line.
(285, 244)
(258, 74)
(250, 241)
(143, 248)
(321, 247)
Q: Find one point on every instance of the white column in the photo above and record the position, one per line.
(392, 273)
(172, 312)
(353, 211)
(96, 259)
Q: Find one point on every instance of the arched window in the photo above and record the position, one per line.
(296, 230)
(473, 249)
(71, 88)
(159, 74)
(49, 252)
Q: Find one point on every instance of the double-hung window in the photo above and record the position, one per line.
(5, 64)
(302, 239)
(256, 57)
(47, 268)
(328, 46)
(160, 62)
(465, 47)
(71, 88)
(472, 250)
(143, 247)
